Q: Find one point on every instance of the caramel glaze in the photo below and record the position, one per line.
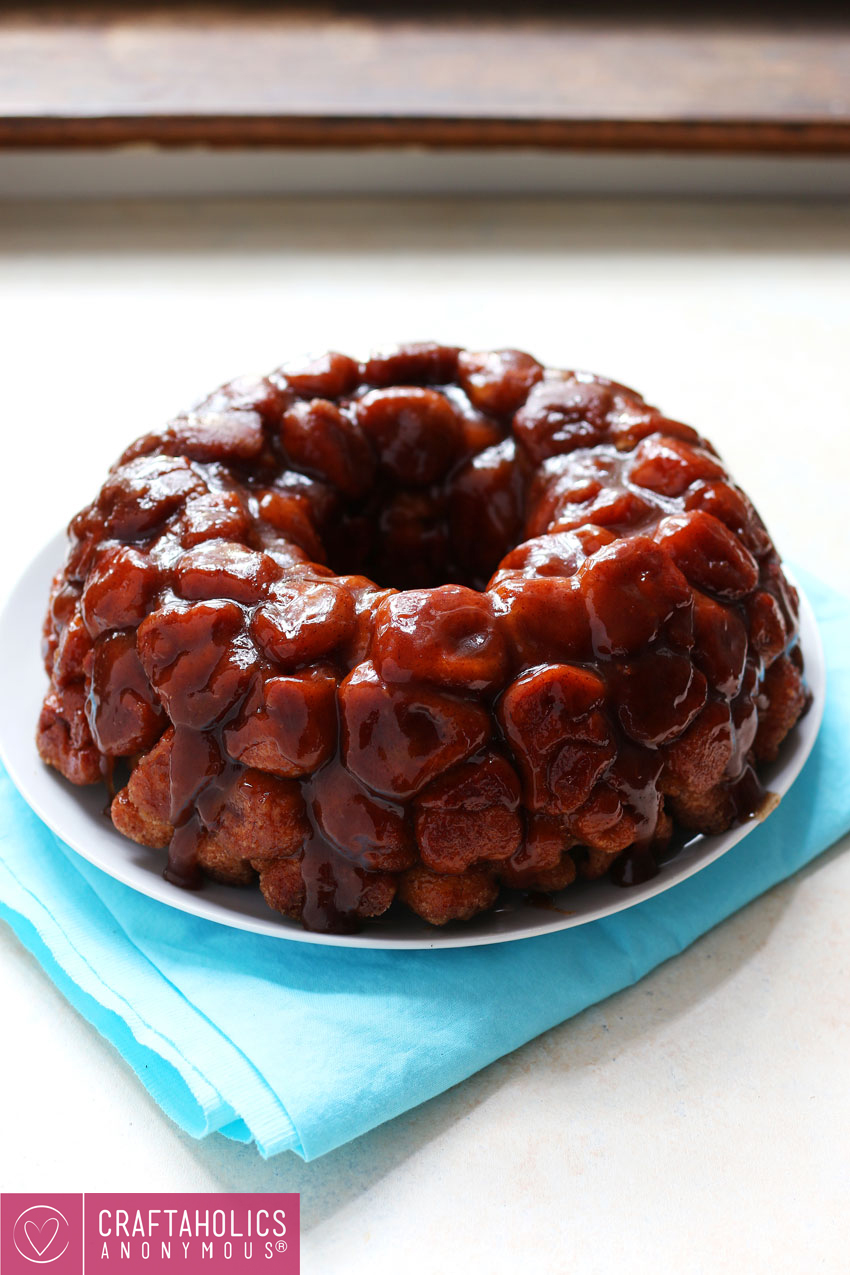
(629, 572)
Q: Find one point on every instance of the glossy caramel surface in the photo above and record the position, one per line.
(419, 628)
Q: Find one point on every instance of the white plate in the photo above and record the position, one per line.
(76, 814)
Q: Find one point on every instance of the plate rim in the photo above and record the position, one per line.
(205, 904)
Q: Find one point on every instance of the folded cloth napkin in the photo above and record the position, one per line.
(302, 1047)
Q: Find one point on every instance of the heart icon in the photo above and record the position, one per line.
(48, 1228)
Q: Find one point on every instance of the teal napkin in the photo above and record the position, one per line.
(299, 1047)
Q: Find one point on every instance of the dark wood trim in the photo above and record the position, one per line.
(707, 78)
(252, 131)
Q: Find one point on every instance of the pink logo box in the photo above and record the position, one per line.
(41, 1233)
(148, 1233)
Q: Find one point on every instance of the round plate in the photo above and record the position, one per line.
(76, 814)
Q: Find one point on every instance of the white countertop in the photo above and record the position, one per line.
(699, 1122)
